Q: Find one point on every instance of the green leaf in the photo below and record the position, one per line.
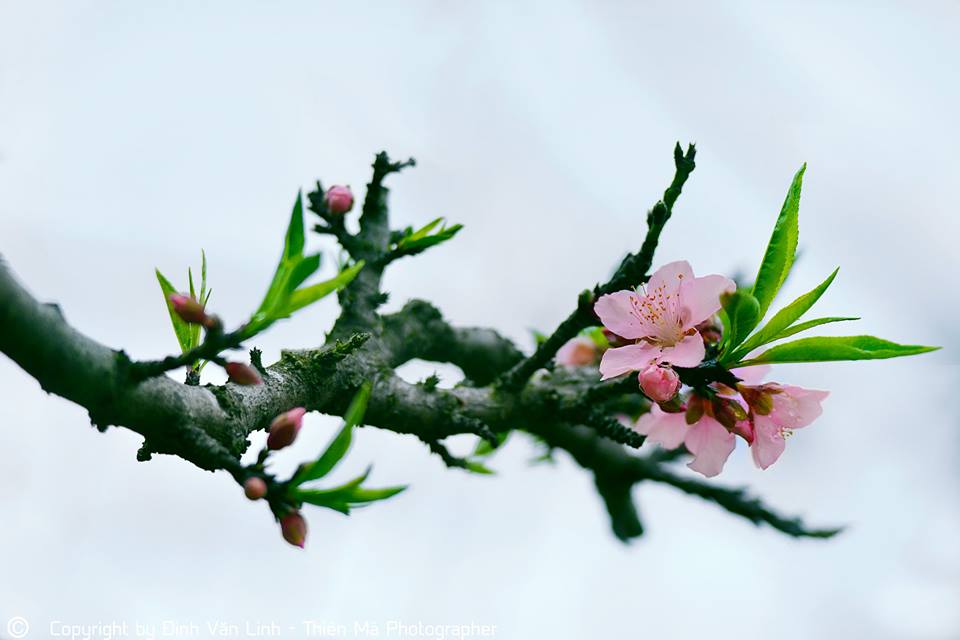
(362, 495)
(742, 314)
(308, 295)
(484, 448)
(300, 269)
(473, 466)
(340, 444)
(350, 494)
(597, 336)
(831, 348)
(420, 240)
(180, 328)
(782, 319)
(782, 247)
(293, 246)
(809, 324)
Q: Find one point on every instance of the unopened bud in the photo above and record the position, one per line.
(255, 488)
(694, 409)
(339, 199)
(728, 412)
(294, 529)
(188, 308)
(659, 384)
(284, 428)
(240, 373)
(758, 398)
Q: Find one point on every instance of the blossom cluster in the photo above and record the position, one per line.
(670, 324)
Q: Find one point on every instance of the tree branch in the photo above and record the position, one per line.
(631, 272)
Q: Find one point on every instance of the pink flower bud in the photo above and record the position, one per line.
(339, 199)
(255, 488)
(294, 529)
(659, 384)
(284, 428)
(577, 352)
(188, 309)
(242, 374)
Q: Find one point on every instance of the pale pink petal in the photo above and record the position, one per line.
(670, 276)
(689, 352)
(796, 407)
(767, 443)
(616, 312)
(633, 357)
(701, 297)
(711, 444)
(577, 351)
(752, 376)
(666, 429)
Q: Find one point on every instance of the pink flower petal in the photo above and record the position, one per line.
(577, 351)
(711, 444)
(616, 312)
(768, 443)
(701, 297)
(796, 407)
(666, 429)
(632, 357)
(670, 276)
(689, 352)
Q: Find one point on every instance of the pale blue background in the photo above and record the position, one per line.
(132, 134)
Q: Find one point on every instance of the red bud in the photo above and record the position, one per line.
(339, 199)
(284, 428)
(294, 529)
(242, 374)
(255, 488)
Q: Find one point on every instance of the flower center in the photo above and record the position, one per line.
(661, 315)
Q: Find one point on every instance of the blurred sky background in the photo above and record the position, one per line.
(132, 134)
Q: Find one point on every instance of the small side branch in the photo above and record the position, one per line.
(631, 272)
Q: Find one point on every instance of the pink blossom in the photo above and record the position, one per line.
(284, 428)
(662, 319)
(659, 383)
(578, 351)
(708, 440)
(787, 408)
(339, 199)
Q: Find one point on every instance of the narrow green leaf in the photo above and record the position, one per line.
(308, 295)
(194, 328)
(743, 314)
(484, 448)
(323, 499)
(180, 328)
(782, 247)
(782, 319)
(832, 348)
(362, 495)
(293, 246)
(422, 232)
(474, 466)
(809, 324)
(421, 239)
(203, 277)
(301, 269)
(341, 443)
